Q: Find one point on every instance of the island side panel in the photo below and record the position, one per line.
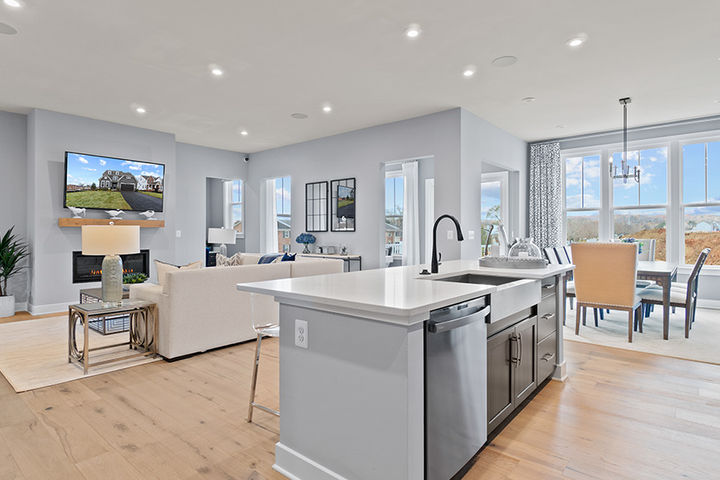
(560, 373)
(351, 403)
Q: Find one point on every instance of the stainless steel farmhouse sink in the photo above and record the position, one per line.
(512, 295)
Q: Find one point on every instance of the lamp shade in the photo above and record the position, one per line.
(110, 239)
(221, 235)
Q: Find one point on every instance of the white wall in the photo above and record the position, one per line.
(361, 154)
(195, 165)
(13, 210)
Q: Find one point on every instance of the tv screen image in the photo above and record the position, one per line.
(345, 202)
(109, 183)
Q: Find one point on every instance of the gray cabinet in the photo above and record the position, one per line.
(547, 328)
(511, 369)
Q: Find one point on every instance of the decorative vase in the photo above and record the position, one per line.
(7, 306)
(306, 249)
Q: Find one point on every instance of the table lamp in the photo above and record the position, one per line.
(221, 236)
(111, 241)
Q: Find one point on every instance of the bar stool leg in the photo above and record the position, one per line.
(253, 383)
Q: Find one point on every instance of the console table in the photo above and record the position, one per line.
(347, 258)
(143, 331)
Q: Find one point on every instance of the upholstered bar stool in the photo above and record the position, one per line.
(263, 329)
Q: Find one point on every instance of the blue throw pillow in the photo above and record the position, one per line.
(288, 257)
(268, 258)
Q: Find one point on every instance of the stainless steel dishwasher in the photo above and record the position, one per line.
(455, 387)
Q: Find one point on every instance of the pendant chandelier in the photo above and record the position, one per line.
(625, 172)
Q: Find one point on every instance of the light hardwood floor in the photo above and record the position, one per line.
(622, 414)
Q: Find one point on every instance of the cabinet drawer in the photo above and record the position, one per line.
(546, 317)
(548, 287)
(547, 349)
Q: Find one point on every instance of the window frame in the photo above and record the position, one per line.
(394, 174)
(675, 206)
(228, 205)
(564, 155)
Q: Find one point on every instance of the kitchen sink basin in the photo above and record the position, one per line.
(512, 294)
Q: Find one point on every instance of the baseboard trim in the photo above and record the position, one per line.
(711, 304)
(21, 306)
(296, 466)
(48, 308)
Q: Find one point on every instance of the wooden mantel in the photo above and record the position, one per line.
(79, 222)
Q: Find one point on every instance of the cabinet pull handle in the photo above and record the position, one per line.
(520, 349)
(513, 341)
(548, 316)
(548, 356)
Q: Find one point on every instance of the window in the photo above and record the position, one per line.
(394, 202)
(701, 200)
(630, 218)
(284, 216)
(582, 197)
(233, 206)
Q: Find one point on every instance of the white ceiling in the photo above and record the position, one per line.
(96, 58)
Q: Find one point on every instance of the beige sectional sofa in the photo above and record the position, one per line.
(201, 309)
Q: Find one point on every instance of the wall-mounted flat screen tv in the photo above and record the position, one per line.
(109, 183)
(345, 202)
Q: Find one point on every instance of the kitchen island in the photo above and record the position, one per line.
(354, 378)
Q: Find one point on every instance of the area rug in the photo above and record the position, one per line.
(702, 346)
(33, 353)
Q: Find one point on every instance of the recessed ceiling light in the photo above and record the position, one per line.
(559, 126)
(139, 109)
(327, 108)
(244, 133)
(6, 29)
(13, 3)
(528, 99)
(469, 71)
(504, 61)
(577, 41)
(413, 30)
(299, 116)
(216, 70)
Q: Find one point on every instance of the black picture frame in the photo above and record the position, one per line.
(316, 206)
(343, 217)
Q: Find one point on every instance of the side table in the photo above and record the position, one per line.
(105, 325)
(143, 329)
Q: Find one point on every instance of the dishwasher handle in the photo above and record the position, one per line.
(439, 327)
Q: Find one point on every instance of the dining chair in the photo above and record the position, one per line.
(263, 329)
(681, 295)
(605, 276)
(564, 259)
(551, 256)
(647, 251)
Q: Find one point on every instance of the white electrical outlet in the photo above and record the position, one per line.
(301, 333)
(471, 234)
(450, 235)
(178, 234)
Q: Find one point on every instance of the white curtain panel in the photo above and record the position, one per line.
(411, 212)
(227, 204)
(269, 218)
(546, 195)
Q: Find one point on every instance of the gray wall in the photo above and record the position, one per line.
(482, 142)
(50, 134)
(13, 210)
(195, 165)
(361, 154)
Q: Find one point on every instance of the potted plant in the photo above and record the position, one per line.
(12, 253)
(306, 239)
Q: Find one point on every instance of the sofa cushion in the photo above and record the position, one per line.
(316, 267)
(164, 268)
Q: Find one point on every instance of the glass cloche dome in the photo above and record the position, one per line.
(524, 248)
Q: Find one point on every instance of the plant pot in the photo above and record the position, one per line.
(7, 306)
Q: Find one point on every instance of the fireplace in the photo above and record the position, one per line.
(88, 268)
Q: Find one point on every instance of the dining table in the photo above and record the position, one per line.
(663, 274)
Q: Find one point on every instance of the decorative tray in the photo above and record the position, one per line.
(512, 262)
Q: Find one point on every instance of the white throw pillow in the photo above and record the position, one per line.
(164, 268)
(234, 261)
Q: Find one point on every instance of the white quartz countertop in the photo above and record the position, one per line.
(396, 295)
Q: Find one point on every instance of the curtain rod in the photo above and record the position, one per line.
(630, 130)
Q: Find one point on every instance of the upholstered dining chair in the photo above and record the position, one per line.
(647, 252)
(681, 295)
(605, 276)
(551, 256)
(263, 329)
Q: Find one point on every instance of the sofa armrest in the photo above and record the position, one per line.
(150, 292)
